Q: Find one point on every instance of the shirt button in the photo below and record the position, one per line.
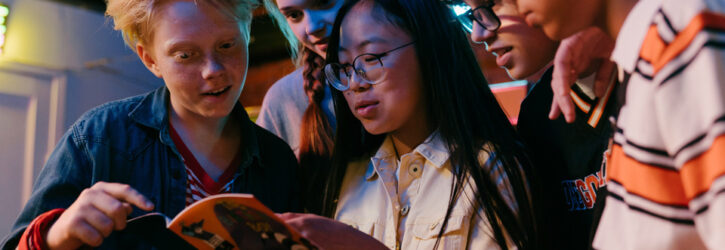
(405, 210)
(414, 170)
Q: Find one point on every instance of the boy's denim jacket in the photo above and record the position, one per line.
(128, 141)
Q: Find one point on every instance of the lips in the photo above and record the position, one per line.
(500, 50)
(217, 92)
(366, 109)
(502, 54)
(322, 41)
(321, 44)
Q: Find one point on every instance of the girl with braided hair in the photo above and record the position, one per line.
(298, 107)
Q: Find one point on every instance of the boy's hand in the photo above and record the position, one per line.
(326, 233)
(98, 211)
(579, 55)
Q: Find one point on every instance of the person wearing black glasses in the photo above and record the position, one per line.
(424, 156)
(524, 51)
(368, 67)
(567, 157)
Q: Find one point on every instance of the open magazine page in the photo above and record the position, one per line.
(151, 228)
(227, 221)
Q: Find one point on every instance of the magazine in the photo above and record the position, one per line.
(224, 221)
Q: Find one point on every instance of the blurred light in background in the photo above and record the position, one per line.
(4, 12)
(459, 9)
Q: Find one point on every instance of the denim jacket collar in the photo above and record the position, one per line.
(152, 111)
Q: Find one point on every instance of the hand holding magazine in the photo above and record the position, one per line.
(224, 221)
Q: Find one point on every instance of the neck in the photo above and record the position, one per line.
(616, 12)
(214, 141)
(536, 76)
(200, 125)
(202, 131)
(405, 141)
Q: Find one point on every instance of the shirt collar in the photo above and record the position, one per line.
(632, 33)
(433, 149)
(152, 111)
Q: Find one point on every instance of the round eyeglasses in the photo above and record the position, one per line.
(367, 67)
(483, 15)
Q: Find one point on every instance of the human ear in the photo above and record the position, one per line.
(148, 60)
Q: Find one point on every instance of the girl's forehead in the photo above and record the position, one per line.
(296, 3)
(360, 24)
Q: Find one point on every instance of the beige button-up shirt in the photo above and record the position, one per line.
(404, 204)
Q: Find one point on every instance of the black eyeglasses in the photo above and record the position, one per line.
(368, 67)
(483, 15)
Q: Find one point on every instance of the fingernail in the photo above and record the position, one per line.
(149, 204)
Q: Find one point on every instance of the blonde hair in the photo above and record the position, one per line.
(133, 17)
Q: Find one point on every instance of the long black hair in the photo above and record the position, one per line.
(469, 119)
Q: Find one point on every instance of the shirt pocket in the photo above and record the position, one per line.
(425, 233)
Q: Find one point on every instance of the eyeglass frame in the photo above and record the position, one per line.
(361, 73)
(488, 7)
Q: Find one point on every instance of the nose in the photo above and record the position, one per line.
(356, 83)
(315, 24)
(213, 68)
(480, 34)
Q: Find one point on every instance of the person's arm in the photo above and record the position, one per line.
(326, 233)
(98, 211)
(580, 55)
(34, 235)
(690, 111)
(64, 183)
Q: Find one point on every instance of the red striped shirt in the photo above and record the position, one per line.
(199, 184)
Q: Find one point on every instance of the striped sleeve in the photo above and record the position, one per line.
(690, 72)
(667, 167)
(690, 106)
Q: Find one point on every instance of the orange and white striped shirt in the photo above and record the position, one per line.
(666, 169)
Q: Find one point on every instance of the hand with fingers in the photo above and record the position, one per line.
(327, 233)
(579, 55)
(98, 211)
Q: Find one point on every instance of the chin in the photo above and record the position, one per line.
(515, 73)
(374, 129)
(217, 113)
(559, 32)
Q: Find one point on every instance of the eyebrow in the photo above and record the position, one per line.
(288, 8)
(176, 44)
(367, 42)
